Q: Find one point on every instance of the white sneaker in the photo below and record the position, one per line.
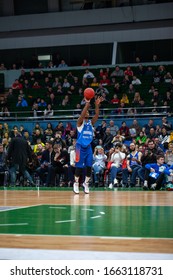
(115, 181)
(153, 187)
(110, 186)
(76, 188)
(145, 184)
(86, 187)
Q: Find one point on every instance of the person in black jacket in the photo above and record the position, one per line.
(45, 169)
(60, 164)
(18, 156)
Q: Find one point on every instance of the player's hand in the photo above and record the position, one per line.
(87, 100)
(99, 100)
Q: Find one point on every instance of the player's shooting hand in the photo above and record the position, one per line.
(87, 100)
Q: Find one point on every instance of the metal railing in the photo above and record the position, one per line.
(105, 113)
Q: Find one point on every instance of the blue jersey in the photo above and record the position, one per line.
(158, 168)
(133, 162)
(85, 134)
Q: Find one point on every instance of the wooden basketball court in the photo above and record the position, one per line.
(110, 221)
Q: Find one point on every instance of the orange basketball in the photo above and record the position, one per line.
(89, 93)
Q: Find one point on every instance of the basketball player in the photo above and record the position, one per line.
(84, 153)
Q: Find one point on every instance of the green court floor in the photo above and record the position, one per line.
(110, 221)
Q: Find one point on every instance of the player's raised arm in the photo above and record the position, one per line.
(97, 106)
(84, 113)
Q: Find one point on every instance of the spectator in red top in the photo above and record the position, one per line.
(115, 100)
(85, 63)
(124, 130)
(104, 72)
(128, 71)
(17, 85)
(105, 81)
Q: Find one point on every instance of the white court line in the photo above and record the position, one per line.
(57, 207)
(19, 207)
(88, 236)
(64, 221)
(87, 209)
(18, 224)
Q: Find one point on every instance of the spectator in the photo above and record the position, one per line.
(133, 165)
(124, 130)
(17, 85)
(88, 74)
(117, 88)
(115, 100)
(116, 160)
(124, 99)
(105, 81)
(60, 164)
(140, 70)
(5, 112)
(48, 112)
(141, 138)
(56, 82)
(113, 128)
(117, 72)
(94, 82)
(3, 165)
(149, 156)
(103, 72)
(136, 126)
(101, 89)
(155, 97)
(136, 81)
(42, 103)
(62, 64)
(128, 71)
(21, 102)
(85, 63)
(18, 161)
(66, 83)
(156, 176)
(165, 124)
(149, 125)
(131, 89)
(45, 170)
(99, 159)
(164, 138)
(167, 77)
(37, 135)
(150, 72)
(66, 101)
(169, 154)
(107, 139)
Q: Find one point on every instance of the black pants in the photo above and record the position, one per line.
(159, 181)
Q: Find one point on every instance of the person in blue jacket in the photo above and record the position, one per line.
(84, 152)
(157, 175)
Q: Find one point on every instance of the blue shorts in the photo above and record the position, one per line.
(84, 156)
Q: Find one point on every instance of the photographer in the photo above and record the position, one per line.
(58, 139)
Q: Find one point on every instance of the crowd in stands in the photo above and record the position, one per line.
(126, 150)
(131, 87)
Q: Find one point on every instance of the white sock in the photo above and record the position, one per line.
(87, 180)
